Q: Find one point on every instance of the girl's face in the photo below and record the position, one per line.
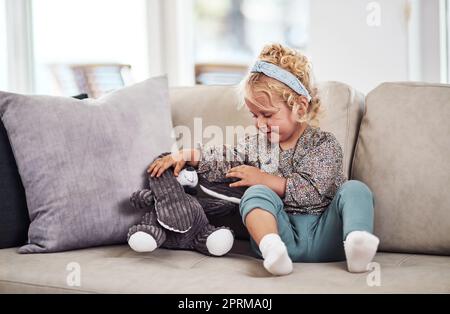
(277, 121)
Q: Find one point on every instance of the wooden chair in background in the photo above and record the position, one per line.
(92, 79)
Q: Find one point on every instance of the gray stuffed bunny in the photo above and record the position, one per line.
(175, 219)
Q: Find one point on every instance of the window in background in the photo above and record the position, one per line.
(3, 48)
(88, 45)
(447, 43)
(230, 33)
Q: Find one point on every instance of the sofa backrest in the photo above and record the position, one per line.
(344, 107)
(219, 106)
(216, 107)
(403, 155)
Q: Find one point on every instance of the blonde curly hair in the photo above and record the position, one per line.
(294, 62)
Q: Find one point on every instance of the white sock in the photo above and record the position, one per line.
(220, 242)
(142, 242)
(276, 258)
(360, 248)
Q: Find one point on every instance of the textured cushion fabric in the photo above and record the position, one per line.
(14, 219)
(80, 160)
(219, 106)
(118, 269)
(403, 155)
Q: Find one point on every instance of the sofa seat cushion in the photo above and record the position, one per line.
(118, 269)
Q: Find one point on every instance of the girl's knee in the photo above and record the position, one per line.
(260, 196)
(262, 192)
(355, 186)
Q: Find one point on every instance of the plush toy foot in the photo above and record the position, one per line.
(145, 237)
(220, 242)
(142, 242)
(360, 248)
(142, 199)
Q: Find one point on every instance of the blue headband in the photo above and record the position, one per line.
(281, 75)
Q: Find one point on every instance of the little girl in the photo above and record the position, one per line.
(299, 206)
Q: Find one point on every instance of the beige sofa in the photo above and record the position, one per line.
(401, 149)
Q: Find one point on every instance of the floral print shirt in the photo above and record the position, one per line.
(313, 168)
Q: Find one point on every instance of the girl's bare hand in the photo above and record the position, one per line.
(160, 165)
(249, 176)
(178, 161)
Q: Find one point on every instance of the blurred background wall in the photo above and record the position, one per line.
(66, 47)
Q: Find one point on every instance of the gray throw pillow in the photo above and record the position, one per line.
(80, 160)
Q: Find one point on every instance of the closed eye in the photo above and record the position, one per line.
(267, 115)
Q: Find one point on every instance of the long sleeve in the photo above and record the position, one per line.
(216, 161)
(316, 177)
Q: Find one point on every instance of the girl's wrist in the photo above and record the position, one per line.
(275, 183)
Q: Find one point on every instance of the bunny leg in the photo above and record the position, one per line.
(146, 236)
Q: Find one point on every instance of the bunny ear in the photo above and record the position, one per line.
(177, 214)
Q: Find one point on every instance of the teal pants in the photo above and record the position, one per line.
(315, 238)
